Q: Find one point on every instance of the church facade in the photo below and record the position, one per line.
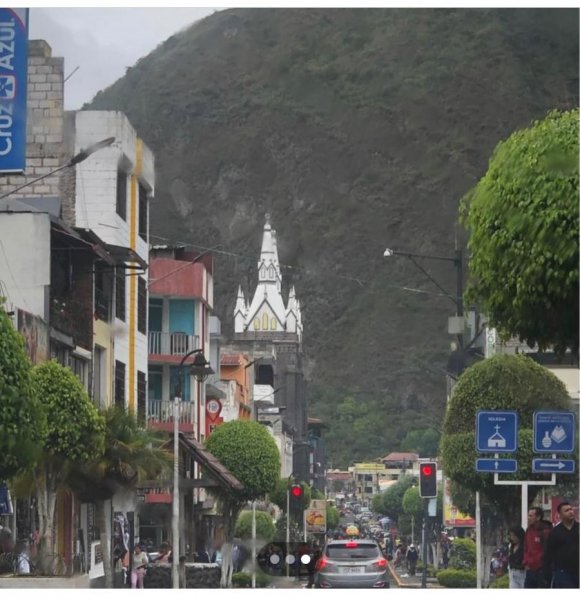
(269, 331)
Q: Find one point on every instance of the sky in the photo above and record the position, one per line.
(103, 42)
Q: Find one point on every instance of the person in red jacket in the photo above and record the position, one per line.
(534, 548)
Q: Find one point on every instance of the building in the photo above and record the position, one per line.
(366, 478)
(269, 331)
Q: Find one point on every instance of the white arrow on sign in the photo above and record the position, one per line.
(496, 465)
(560, 465)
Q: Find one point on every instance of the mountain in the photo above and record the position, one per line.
(357, 129)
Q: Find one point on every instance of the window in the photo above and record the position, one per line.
(271, 272)
(350, 551)
(79, 366)
(141, 397)
(142, 306)
(120, 294)
(256, 324)
(265, 322)
(263, 272)
(99, 369)
(120, 384)
(273, 324)
(101, 296)
(122, 194)
(143, 208)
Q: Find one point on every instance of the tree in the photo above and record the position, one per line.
(413, 504)
(265, 528)
(425, 442)
(393, 496)
(504, 382)
(75, 432)
(332, 517)
(522, 219)
(22, 420)
(250, 453)
(131, 454)
(278, 497)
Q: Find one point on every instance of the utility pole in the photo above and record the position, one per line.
(424, 542)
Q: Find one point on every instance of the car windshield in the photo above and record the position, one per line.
(360, 551)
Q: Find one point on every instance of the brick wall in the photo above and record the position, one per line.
(45, 149)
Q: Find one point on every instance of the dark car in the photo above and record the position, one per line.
(352, 564)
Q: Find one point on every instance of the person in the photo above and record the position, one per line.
(517, 573)
(164, 556)
(22, 558)
(535, 540)
(412, 557)
(562, 556)
(140, 562)
(314, 558)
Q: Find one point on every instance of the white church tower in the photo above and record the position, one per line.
(267, 312)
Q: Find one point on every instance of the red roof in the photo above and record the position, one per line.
(400, 456)
(231, 359)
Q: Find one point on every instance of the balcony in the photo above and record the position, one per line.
(171, 347)
(160, 415)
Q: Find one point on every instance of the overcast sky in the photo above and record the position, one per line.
(103, 42)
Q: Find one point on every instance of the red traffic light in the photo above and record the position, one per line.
(428, 480)
(427, 470)
(296, 491)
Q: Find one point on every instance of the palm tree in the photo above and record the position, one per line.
(132, 453)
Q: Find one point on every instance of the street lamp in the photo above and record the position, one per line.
(200, 369)
(75, 160)
(457, 261)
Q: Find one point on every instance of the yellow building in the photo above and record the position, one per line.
(366, 478)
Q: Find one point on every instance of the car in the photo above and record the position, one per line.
(352, 564)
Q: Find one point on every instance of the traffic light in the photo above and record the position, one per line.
(428, 480)
(296, 498)
(296, 492)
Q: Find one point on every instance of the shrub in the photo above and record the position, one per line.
(431, 569)
(457, 578)
(462, 554)
(501, 582)
(242, 580)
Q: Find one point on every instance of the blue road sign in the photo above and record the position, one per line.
(554, 432)
(496, 431)
(496, 465)
(552, 465)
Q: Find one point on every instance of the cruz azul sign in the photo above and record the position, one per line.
(13, 80)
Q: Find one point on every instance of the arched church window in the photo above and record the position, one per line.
(273, 324)
(271, 272)
(256, 324)
(265, 322)
(263, 272)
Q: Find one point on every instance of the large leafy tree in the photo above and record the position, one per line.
(391, 500)
(22, 420)
(522, 219)
(74, 433)
(131, 453)
(278, 496)
(250, 453)
(425, 442)
(503, 382)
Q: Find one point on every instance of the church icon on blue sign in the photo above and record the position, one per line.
(496, 431)
(496, 440)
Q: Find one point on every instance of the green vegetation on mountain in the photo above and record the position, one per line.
(356, 129)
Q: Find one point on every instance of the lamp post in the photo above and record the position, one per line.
(75, 160)
(457, 261)
(200, 369)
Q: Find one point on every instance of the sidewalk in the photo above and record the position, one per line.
(403, 580)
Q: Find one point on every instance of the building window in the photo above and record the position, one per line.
(99, 370)
(141, 397)
(119, 384)
(263, 272)
(122, 194)
(79, 367)
(120, 294)
(271, 272)
(273, 324)
(101, 295)
(265, 322)
(142, 306)
(143, 208)
(256, 324)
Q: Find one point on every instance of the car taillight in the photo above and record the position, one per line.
(381, 563)
(322, 563)
(351, 544)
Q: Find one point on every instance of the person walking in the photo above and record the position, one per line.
(412, 557)
(517, 573)
(164, 557)
(562, 555)
(140, 562)
(535, 540)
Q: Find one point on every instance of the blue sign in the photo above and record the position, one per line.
(496, 465)
(13, 80)
(496, 431)
(552, 465)
(5, 504)
(554, 432)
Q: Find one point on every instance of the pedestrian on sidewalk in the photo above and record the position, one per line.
(412, 557)
(535, 540)
(517, 573)
(562, 554)
(140, 562)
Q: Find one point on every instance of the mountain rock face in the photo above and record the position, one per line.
(357, 130)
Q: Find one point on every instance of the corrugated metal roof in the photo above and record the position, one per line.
(398, 456)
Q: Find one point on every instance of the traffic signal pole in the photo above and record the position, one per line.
(287, 530)
(424, 542)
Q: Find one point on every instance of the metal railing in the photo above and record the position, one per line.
(161, 411)
(173, 344)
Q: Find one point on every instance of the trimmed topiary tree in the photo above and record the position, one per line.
(250, 453)
(522, 219)
(265, 528)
